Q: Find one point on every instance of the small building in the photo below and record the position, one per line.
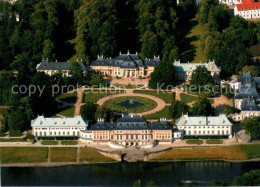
(185, 70)
(51, 68)
(205, 125)
(248, 9)
(128, 130)
(55, 127)
(125, 65)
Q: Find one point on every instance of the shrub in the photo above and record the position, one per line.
(194, 142)
(69, 142)
(59, 138)
(49, 142)
(208, 137)
(14, 132)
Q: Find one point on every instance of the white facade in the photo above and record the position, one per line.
(53, 127)
(205, 126)
(248, 12)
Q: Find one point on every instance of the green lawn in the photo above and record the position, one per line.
(49, 142)
(69, 142)
(130, 86)
(68, 97)
(67, 111)
(145, 104)
(252, 151)
(214, 141)
(194, 142)
(63, 154)
(23, 154)
(13, 140)
(93, 96)
(162, 113)
(91, 155)
(186, 98)
(166, 96)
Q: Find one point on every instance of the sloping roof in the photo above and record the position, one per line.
(189, 67)
(76, 121)
(131, 123)
(248, 6)
(45, 65)
(250, 106)
(203, 120)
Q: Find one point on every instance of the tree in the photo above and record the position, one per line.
(201, 77)
(252, 126)
(178, 108)
(163, 76)
(204, 8)
(202, 107)
(16, 121)
(76, 73)
(230, 110)
(217, 183)
(251, 178)
(104, 113)
(88, 111)
(97, 80)
(254, 71)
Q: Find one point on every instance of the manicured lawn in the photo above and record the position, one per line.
(13, 140)
(47, 142)
(69, 142)
(93, 96)
(145, 104)
(190, 98)
(162, 113)
(68, 97)
(130, 86)
(67, 111)
(166, 96)
(91, 155)
(23, 154)
(63, 154)
(214, 141)
(194, 142)
(235, 152)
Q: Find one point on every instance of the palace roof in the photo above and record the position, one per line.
(126, 61)
(76, 121)
(45, 65)
(131, 123)
(248, 5)
(189, 67)
(250, 105)
(220, 120)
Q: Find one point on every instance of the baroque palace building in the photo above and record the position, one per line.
(125, 65)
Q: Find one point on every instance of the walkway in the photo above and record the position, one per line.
(129, 92)
(79, 102)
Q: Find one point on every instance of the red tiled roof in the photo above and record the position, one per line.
(248, 6)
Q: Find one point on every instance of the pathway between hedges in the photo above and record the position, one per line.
(130, 92)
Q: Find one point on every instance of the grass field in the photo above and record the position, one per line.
(69, 142)
(47, 142)
(63, 154)
(235, 152)
(198, 142)
(189, 98)
(145, 104)
(68, 97)
(91, 155)
(97, 94)
(214, 141)
(67, 111)
(166, 96)
(23, 154)
(162, 113)
(13, 140)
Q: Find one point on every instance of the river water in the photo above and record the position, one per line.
(124, 174)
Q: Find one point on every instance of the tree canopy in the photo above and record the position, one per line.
(201, 77)
(202, 107)
(252, 126)
(178, 108)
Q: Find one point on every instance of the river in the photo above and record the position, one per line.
(124, 174)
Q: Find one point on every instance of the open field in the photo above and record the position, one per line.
(214, 141)
(13, 140)
(91, 155)
(166, 96)
(67, 111)
(235, 152)
(49, 142)
(69, 142)
(97, 94)
(198, 142)
(162, 113)
(23, 154)
(145, 104)
(68, 97)
(63, 154)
